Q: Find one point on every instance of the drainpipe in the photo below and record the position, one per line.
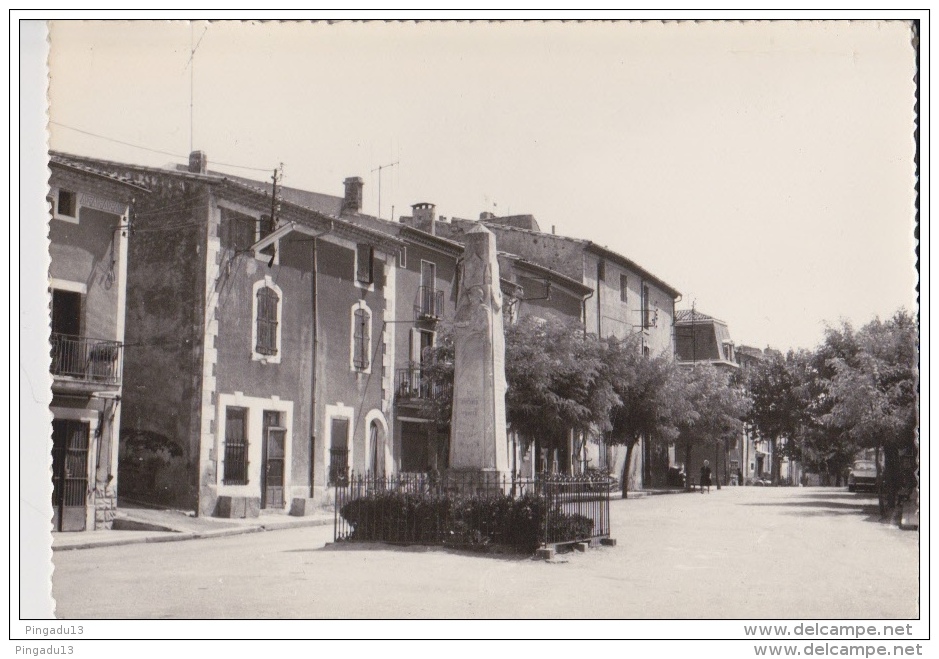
(583, 304)
(314, 291)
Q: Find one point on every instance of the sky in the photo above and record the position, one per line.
(763, 169)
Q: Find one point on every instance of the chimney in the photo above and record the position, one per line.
(425, 215)
(352, 202)
(198, 163)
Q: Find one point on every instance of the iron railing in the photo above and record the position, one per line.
(338, 467)
(411, 384)
(429, 303)
(472, 509)
(89, 360)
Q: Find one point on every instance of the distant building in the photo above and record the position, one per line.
(88, 235)
(703, 339)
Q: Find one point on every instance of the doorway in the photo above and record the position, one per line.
(272, 469)
(69, 474)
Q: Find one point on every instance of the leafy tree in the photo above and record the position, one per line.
(645, 400)
(875, 394)
(713, 410)
(827, 445)
(779, 404)
(555, 381)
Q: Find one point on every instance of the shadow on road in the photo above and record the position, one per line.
(812, 504)
(492, 554)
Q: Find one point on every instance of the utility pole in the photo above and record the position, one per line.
(378, 169)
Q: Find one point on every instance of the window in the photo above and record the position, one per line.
(646, 317)
(623, 291)
(235, 465)
(361, 338)
(403, 257)
(266, 329)
(66, 203)
(267, 321)
(601, 270)
(364, 258)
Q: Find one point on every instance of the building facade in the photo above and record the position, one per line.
(259, 367)
(88, 244)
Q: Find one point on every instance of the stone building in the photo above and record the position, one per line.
(256, 367)
(621, 299)
(88, 287)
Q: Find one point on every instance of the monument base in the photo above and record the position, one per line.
(476, 482)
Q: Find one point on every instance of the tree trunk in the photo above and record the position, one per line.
(891, 480)
(629, 455)
(776, 462)
(717, 464)
(688, 466)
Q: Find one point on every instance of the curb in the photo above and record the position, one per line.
(179, 536)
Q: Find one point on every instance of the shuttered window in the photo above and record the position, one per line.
(267, 321)
(361, 339)
(364, 256)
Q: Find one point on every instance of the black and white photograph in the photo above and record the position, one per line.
(595, 329)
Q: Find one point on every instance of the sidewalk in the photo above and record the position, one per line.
(139, 525)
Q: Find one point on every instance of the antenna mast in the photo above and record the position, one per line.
(378, 169)
(191, 64)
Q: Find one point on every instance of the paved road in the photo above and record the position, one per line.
(738, 553)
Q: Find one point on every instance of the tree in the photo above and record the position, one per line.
(713, 410)
(779, 406)
(644, 401)
(875, 394)
(555, 381)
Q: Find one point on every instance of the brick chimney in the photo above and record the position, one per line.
(425, 216)
(352, 201)
(198, 163)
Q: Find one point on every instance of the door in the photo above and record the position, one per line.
(339, 452)
(429, 289)
(69, 474)
(272, 469)
(67, 354)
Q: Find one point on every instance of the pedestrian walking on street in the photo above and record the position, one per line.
(706, 476)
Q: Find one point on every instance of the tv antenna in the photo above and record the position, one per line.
(191, 65)
(378, 169)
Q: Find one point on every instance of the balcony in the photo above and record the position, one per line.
(85, 361)
(429, 305)
(410, 385)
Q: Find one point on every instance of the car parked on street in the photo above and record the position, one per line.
(863, 476)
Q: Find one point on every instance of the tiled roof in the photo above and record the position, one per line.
(684, 316)
(70, 163)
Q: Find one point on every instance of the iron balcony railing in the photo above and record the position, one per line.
(411, 384)
(87, 360)
(429, 303)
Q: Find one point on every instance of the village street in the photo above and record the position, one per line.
(739, 553)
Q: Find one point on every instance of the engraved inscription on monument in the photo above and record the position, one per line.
(478, 422)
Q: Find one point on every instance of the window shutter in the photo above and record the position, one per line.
(267, 322)
(361, 339)
(364, 259)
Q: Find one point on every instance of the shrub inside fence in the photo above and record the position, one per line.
(438, 517)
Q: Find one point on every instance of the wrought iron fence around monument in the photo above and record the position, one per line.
(472, 509)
